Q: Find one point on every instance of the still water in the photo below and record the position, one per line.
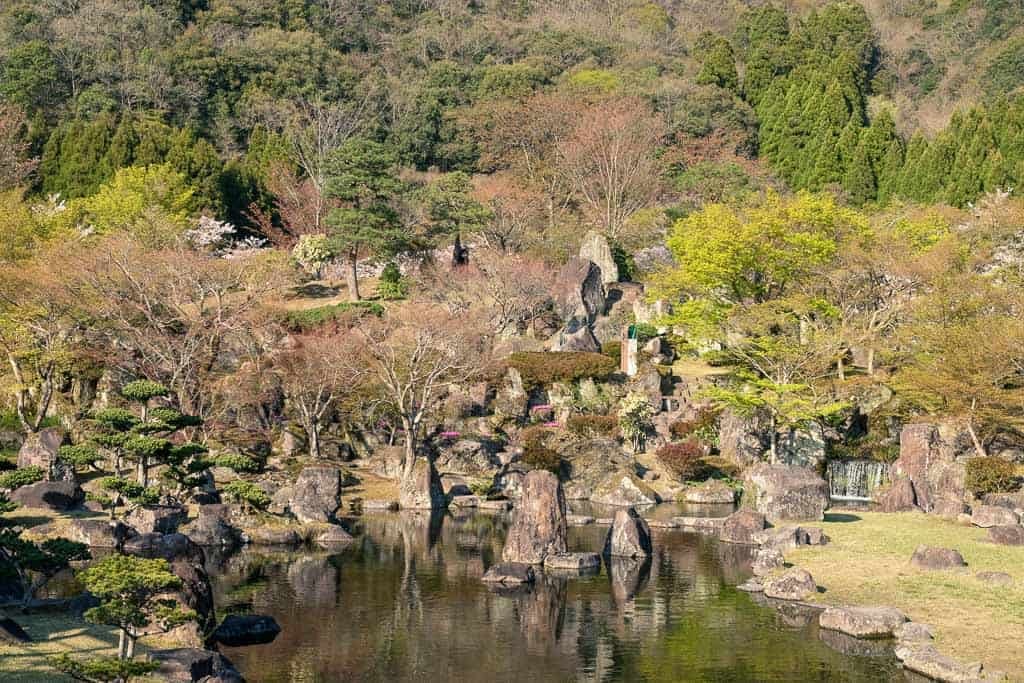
(405, 602)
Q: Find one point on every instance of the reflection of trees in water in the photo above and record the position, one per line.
(405, 602)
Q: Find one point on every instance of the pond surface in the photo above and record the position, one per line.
(405, 602)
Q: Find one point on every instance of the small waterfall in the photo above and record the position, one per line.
(855, 479)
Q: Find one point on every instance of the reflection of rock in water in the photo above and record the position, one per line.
(541, 611)
(792, 615)
(314, 580)
(735, 561)
(856, 647)
(628, 577)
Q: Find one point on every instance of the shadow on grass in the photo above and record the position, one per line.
(839, 517)
(315, 290)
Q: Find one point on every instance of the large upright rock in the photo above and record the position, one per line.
(422, 489)
(930, 457)
(41, 449)
(741, 439)
(595, 249)
(316, 494)
(629, 536)
(785, 492)
(538, 525)
(579, 294)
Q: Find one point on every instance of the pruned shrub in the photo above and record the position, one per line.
(537, 452)
(990, 475)
(703, 427)
(250, 496)
(23, 476)
(313, 318)
(540, 368)
(591, 426)
(237, 462)
(684, 460)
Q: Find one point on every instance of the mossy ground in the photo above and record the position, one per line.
(867, 563)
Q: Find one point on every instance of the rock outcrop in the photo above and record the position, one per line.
(595, 249)
(538, 524)
(863, 622)
(42, 449)
(710, 492)
(629, 536)
(930, 457)
(59, 496)
(742, 527)
(164, 519)
(785, 492)
(316, 494)
(899, 497)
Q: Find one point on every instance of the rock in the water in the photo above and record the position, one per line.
(333, 536)
(595, 249)
(785, 492)
(629, 536)
(701, 525)
(767, 561)
(42, 449)
(927, 557)
(899, 498)
(928, 457)
(497, 505)
(193, 664)
(987, 516)
(213, 528)
(741, 527)
(793, 584)
(59, 496)
(316, 494)
(273, 535)
(509, 573)
(995, 578)
(863, 622)
(422, 489)
(1006, 535)
(377, 505)
(538, 523)
(465, 501)
(579, 520)
(164, 519)
(99, 533)
(711, 491)
(11, 632)
(239, 630)
(574, 562)
(622, 490)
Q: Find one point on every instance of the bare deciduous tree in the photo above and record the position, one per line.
(15, 167)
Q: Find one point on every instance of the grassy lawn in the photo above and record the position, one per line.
(868, 563)
(52, 634)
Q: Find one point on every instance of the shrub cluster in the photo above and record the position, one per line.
(684, 460)
(537, 454)
(589, 426)
(542, 368)
(703, 427)
(990, 475)
(21, 477)
(612, 349)
(311, 318)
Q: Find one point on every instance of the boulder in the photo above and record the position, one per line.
(573, 562)
(59, 496)
(863, 622)
(42, 449)
(767, 561)
(924, 659)
(511, 399)
(422, 489)
(702, 525)
(712, 491)
(913, 632)
(624, 490)
(744, 440)
(471, 457)
(465, 501)
(782, 538)
(741, 527)
(1006, 535)
(538, 523)
(629, 536)
(930, 456)
(164, 519)
(785, 492)
(948, 507)
(238, 630)
(899, 497)
(187, 562)
(193, 664)
(595, 249)
(273, 535)
(594, 464)
(98, 533)
(1010, 501)
(509, 573)
(987, 516)
(995, 578)
(495, 505)
(579, 520)
(333, 536)
(577, 338)
(316, 494)
(578, 292)
(378, 505)
(793, 584)
(213, 528)
(803, 447)
(927, 557)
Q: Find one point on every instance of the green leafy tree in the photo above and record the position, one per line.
(452, 210)
(635, 412)
(101, 669)
(250, 496)
(362, 178)
(719, 67)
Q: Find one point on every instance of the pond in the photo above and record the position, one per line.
(405, 602)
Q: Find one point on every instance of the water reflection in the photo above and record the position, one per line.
(405, 602)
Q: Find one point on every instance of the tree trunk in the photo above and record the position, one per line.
(978, 448)
(143, 472)
(871, 362)
(121, 644)
(352, 276)
(773, 448)
(313, 434)
(841, 369)
(410, 448)
(131, 647)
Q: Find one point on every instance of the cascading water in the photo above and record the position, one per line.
(855, 479)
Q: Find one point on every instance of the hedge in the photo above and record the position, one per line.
(539, 369)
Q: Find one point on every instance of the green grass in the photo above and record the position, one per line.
(52, 634)
(868, 563)
(308, 319)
